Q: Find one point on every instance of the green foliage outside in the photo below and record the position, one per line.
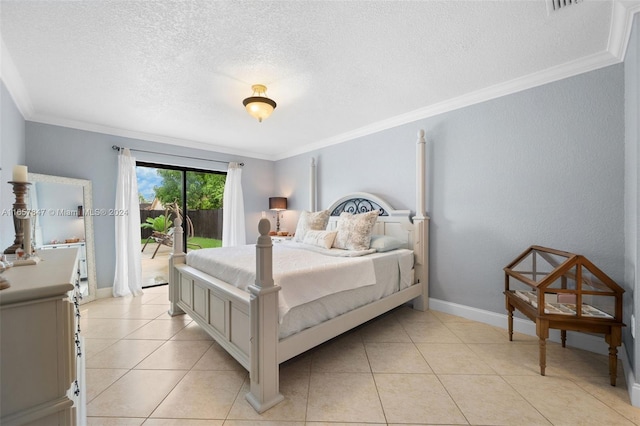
(201, 241)
(159, 224)
(204, 242)
(205, 190)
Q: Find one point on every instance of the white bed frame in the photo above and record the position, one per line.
(246, 323)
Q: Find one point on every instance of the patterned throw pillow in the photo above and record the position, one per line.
(322, 239)
(308, 221)
(354, 231)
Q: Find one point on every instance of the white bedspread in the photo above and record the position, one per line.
(303, 275)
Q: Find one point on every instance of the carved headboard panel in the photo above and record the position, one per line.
(395, 223)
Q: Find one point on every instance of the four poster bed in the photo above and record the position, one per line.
(300, 295)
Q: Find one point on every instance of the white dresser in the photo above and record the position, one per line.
(82, 254)
(41, 349)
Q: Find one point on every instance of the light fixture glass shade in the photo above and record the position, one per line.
(258, 105)
(277, 203)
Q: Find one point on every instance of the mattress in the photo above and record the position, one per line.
(315, 286)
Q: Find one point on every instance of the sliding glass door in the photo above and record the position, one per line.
(161, 189)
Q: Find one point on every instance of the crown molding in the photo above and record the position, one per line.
(132, 134)
(13, 82)
(621, 25)
(623, 13)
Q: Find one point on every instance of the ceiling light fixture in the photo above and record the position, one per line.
(258, 105)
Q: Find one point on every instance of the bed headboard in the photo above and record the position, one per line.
(395, 223)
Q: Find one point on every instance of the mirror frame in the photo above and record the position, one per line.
(87, 199)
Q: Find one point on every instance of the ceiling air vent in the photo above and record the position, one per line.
(555, 5)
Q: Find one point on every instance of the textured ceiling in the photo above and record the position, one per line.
(177, 71)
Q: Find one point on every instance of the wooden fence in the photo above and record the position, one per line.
(206, 223)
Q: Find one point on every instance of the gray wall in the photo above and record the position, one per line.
(544, 166)
(12, 152)
(632, 187)
(61, 151)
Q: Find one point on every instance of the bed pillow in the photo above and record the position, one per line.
(308, 221)
(354, 231)
(322, 239)
(382, 243)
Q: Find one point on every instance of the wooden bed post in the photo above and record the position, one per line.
(421, 226)
(312, 186)
(264, 373)
(177, 258)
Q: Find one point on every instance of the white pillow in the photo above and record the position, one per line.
(354, 231)
(322, 239)
(308, 221)
(382, 243)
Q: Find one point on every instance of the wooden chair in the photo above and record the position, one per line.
(166, 238)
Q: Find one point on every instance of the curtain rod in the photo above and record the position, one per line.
(118, 148)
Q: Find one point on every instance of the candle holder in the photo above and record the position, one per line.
(19, 213)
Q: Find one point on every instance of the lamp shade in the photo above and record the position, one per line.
(277, 203)
(258, 105)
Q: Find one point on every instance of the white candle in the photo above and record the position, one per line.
(264, 214)
(20, 173)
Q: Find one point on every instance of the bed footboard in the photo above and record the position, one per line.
(219, 308)
(244, 324)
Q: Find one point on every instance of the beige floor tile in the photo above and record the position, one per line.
(210, 394)
(159, 329)
(448, 318)
(124, 354)
(159, 289)
(575, 362)
(99, 379)
(103, 310)
(430, 332)
(489, 400)
(453, 358)
(344, 424)
(563, 402)
(102, 328)
(344, 397)
(94, 346)
(264, 423)
(396, 358)
(406, 314)
(182, 422)
(508, 358)
(175, 355)
(416, 398)
(114, 421)
(136, 394)
(146, 311)
(160, 299)
(385, 329)
(130, 300)
(616, 397)
(341, 355)
(294, 388)
(216, 358)
(192, 332)
(473, 332)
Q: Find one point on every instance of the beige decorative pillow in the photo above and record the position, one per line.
(322, 239)
(308, 221)
(354, 231)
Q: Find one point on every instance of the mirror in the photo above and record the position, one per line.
(62, 208)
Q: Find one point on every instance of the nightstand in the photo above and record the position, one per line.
(279, 239)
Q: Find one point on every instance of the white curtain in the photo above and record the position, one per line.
(233, 233)
(128, 276)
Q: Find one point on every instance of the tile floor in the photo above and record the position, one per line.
(407, 367)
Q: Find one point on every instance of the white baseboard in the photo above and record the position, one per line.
(103, 293)
(583, 341)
